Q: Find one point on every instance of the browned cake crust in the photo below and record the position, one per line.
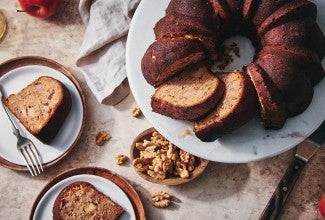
(264, 8)
(290, 11)
(237, 107)
(272, 106)
(196, 9)
(81, 200)
(302, 33)
(302, 57)
(179, 26)
(289, 79)
(189, 95)
(41, 107)
(167, 57)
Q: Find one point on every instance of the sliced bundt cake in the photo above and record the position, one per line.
(190, 95)
(237, 106)
(289, 49)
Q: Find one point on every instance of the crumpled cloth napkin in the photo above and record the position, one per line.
(102, 56)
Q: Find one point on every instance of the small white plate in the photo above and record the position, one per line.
(19, 77)
(44, 207)
(249, 143)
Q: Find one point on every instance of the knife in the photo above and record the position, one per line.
(305, 151)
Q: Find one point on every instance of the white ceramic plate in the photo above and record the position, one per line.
(15, 80)
(44, 207)
(249, 143)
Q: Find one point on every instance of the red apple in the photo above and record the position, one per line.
(39, 8)
(321, 206)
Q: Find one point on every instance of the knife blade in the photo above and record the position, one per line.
(305, 151)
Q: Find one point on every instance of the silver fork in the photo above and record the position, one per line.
(25, 146)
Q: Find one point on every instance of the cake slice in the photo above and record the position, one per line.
(173, 26)
(289, 78)
(272, 107)
(237, 106)
(41, 107)
(166, 57)
(81, 200)
(190, 95)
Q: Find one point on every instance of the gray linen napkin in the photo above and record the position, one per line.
(102, 56)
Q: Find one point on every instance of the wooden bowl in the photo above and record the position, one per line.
(200, 165)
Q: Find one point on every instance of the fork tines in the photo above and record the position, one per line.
(32, 159)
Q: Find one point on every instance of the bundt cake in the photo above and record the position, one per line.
(190, 95)
(237, 107)
(288, 42)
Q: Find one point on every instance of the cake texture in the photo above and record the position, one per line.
(289, 47)
(236, 108)
(81, 200)
(41, 107)
(188, 96)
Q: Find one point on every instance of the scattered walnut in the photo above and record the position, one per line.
(121, 159)
(102, 137)
(160, 158)
(136, 112)
(160, 199)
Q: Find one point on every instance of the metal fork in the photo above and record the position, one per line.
(25, 146)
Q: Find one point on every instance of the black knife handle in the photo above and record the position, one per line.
(283, 189)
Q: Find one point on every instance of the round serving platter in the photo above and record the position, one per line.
(249, 143)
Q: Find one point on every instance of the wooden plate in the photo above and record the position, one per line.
(200, 166)
(19, 72)
(98, 172)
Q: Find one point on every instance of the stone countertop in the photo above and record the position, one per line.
(223, 191)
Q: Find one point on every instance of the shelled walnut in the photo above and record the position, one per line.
(159, 158)
(120, 159)
(136, 112)
(160, 199)
(102, 137)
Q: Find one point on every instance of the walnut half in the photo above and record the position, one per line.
(160, 199)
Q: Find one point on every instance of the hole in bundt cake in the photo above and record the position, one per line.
(230, 58)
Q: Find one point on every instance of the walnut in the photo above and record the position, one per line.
(102, 137)
(120, 159)
(141, 164)
(136, 112)
(160, 199)
(90, 207)
(156, 175)
(160, 158)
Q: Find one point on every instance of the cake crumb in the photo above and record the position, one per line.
(186, 132)
(226, 57)
(102, 137)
